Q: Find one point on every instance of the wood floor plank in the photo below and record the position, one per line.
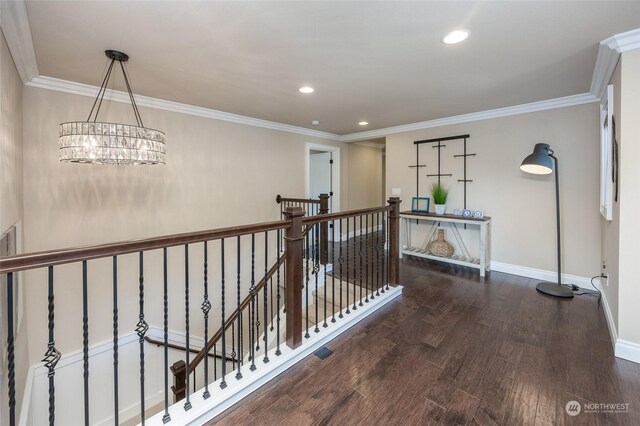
(456, 349)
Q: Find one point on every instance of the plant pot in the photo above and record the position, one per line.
(440, 208)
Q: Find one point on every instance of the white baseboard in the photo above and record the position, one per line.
(540, 274)
(627, 350)
(203, 410)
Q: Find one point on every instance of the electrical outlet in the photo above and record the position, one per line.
(396, 192)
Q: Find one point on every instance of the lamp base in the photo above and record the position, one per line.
(555, 289)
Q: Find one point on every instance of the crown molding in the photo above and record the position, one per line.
(624, 42)
(370, 144)
(605, 66)
(72, 87)
(476, 116)
(14, 21)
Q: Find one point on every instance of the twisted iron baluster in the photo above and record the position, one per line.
(316, 268)
(165, 307)
(361, 253)
(387, 243)
(333, 272)
(206, 307)
(264, 305)
(252, 293)
(382, 253)
(340, 261)
(271, 328)
(366, 259)
(233, 346)
(141, 330)
(355, 263)
(239, 322)
(278, 300)
(223, 383)
(378, 254)
(347, 267)
(115, 340)
(11, 352)
(52, 355)
(85, 342)
(306, 287)
(187, 403)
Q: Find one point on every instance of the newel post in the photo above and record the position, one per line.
(293, 237)
(394, 241)
(324, 230)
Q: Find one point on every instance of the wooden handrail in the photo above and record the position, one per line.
(312, 220)
(280, 199)
(58, 257)
(182, 348)
(234, 315)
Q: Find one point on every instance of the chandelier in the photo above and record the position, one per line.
(97, 142)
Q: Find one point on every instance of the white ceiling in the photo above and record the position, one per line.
(382, 62)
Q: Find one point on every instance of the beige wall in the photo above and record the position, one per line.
(522, 206)
(629, 251)
(364, 177)
(11, 204)
(217, 174)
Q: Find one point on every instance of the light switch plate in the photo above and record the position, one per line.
(396, 192)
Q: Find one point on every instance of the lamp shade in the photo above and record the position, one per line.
(539, 162)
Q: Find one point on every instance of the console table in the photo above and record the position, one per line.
(461, 256)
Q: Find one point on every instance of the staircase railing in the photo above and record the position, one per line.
(311, 207)
(364, 263)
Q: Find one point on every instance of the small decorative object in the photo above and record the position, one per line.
(439, 192)
(420, 204)
(467, 213)
(457, 212)
(440, 247)
(478, 214)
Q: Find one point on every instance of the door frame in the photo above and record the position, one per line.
(335, 171)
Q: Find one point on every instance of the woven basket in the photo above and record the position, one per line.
(440, 247)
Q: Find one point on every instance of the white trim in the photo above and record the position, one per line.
(624, 42)
(14, 21)
(66, 86)
(204, 410)
(603, 71)
(335, 150)
(540, 274)
(566, 101)
(627, 350)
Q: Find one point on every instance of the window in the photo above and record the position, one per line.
(606, 156)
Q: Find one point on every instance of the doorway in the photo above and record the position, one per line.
(323, 173)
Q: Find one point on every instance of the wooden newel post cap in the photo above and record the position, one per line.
(278, 198)
(292, 212)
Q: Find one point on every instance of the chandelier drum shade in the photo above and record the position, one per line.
(95, 142)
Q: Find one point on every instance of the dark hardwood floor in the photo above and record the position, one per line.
(456, 349)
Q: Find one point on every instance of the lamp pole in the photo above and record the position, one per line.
(555, 161)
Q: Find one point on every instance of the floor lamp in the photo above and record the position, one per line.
(539, 163)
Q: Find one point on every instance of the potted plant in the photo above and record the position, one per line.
(439, 192)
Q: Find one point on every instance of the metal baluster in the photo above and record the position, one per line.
(52, 355)
(141, 330)
(371, 259)
(347, 266)
(355, 263)
(206, 307)
(264, 306)
(278, 301)
(233, 345)
(306, 287)
(388, 252)
(85, 342)
(316, 269)
(239, 373)
(165, 307)
(366, 258)
(340, 261)
(223, 373)
(333, 270)
(361, 253)
(378, 254)
(252, 293)
(187, 403)
(382, 254)
(116, 410)
(271, 298)
(10, 352)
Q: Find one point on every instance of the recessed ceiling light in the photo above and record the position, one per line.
(455, 36)
(315, 122)
(306, 89)
(363, 123)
